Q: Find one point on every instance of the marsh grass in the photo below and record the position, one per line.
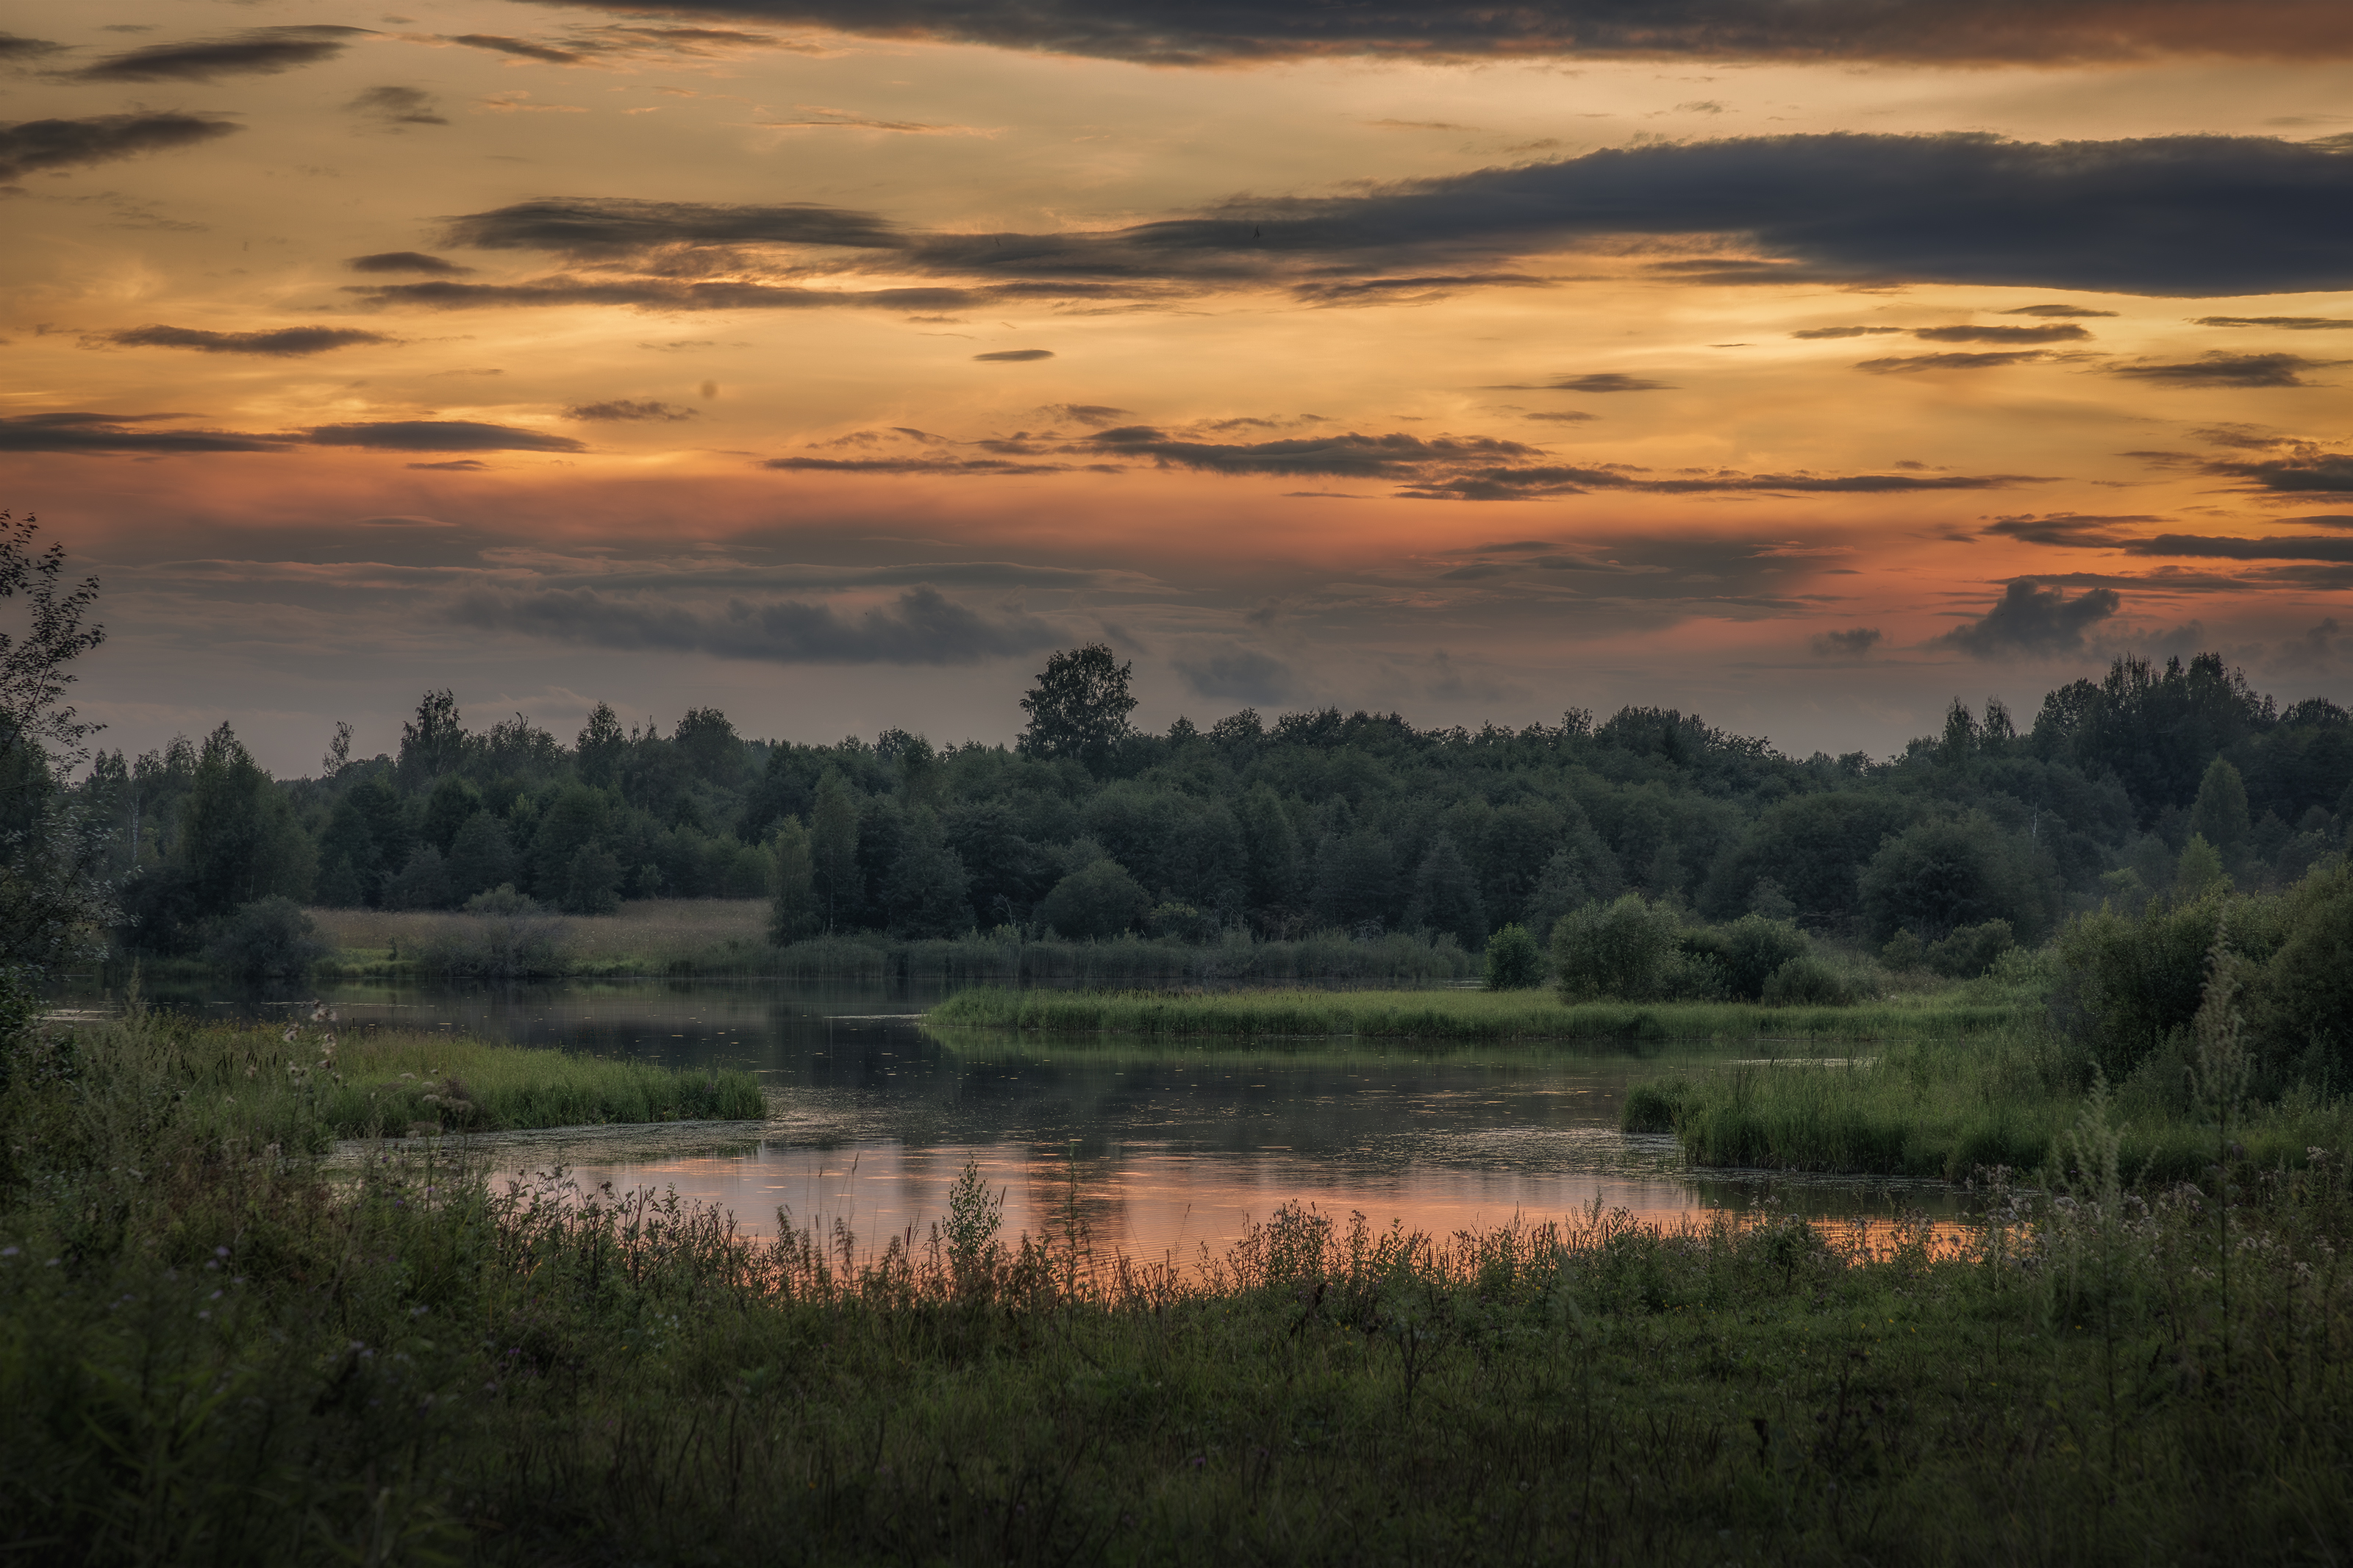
(1466, 1015)
(248, 1362)
(1945, 1109)
(730, 937)
(1234, 959)
(653, 936)
(300, 1085)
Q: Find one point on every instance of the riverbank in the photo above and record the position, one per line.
(300, 1086)
(1947, 1109)
(720, 937)
(1976, 1009)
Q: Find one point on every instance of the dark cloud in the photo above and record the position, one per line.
(2286, 323)
(1905, 365)
(606, 227)
(1351, 456)
(922, 626)
(284, 342)
(1846, 332)
(659, 294)
(2302, 470)
(398, 106)
(441, 436)
(1228, 32)
(262, 51)
(1607, 380)
(1411, 290)
(1565, 417)
(99, 434)
(2219, 369)
(2177, 215)
(1851, 644)
(1534, 482)
(1239, 675)
(521, 48)
(975, 467)
(405, 261)
(2032, 621)
(31, 145)
(1093, 414)
(2067, 530)
(2056, 311)
(15, 48)
(1999, 334)
(622, 409)
(2273, 549)
(455, 466)
(1017, 357)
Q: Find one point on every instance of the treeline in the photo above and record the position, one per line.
(2153, 780)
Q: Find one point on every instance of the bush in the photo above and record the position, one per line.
(1806, 981)
(1634, 951)
(1627, 950)
(508, 936)
(1752, 950)
(1098, 902)
(1515, 962)
(270, 938)
(1971, 951)
(2128, 983)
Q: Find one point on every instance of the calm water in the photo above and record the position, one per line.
(1158, 1149)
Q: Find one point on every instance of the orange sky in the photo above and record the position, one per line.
(1478, 387)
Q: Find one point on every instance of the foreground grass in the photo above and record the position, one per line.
(216, 1356)
(1468, 1015)
(303, 1085)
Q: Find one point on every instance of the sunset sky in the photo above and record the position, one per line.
(1803, 363)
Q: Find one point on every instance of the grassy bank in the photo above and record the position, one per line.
(248, 1086)
(217, 1357)
(1470, 1016)
(730, 937)
(1944, 1108)
(653, 936)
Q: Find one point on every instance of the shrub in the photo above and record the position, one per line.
(1515, 962)
(508, 936)
(1806, 981)
(1627, 950)
(1971, 951)
(1099, 901)
(1753, 949)
(2128, 983)
(270, 938)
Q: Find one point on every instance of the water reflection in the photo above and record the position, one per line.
(1154, 1150)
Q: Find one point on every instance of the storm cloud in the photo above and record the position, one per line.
(262, 51)
(31, 145)
(922, 626)
(283, 343)
(1231, 32)
(2032, 621)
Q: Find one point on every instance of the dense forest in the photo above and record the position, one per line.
(1359, 823)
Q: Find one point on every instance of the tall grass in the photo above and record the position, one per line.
(299, 1085)
(1235, 958)
(217, 1357)
(1947, 1109)
(653, 936)
(1460, 1015)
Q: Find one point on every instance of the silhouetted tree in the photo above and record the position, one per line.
(1078, 707)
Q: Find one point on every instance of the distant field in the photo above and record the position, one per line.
(1465, 1015)
(652, 936)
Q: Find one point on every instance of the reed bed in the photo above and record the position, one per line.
(653, 936)
(1460, 1015)
(299, 1085)
(1948, 1109)
(1234, 959)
